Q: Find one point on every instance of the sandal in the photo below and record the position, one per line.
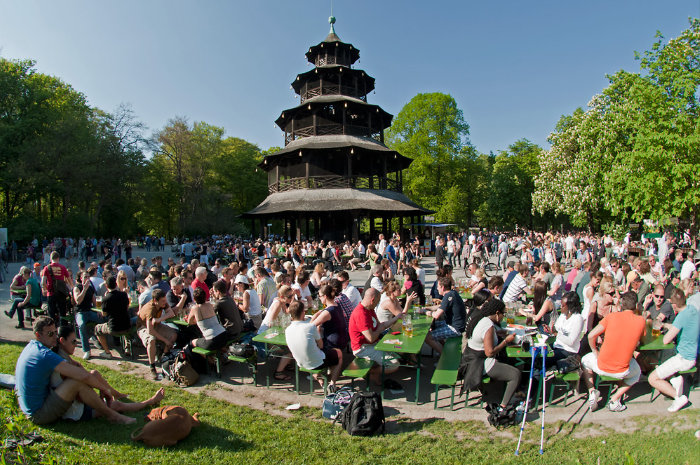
(281, 376)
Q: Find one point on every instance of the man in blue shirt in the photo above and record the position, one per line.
(43, 404)
(686, 328)
(508, 277)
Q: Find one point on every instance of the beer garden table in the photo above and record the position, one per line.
(401, 343)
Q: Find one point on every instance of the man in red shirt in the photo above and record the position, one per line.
(200, 276)
(623, 331)
(365, 331)
(53, 272)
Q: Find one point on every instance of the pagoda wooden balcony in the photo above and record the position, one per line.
(331, 130)
(335, 182)
(330, 89)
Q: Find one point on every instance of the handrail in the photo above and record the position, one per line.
(335, 182)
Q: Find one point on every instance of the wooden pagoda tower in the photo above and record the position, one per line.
(334, 170)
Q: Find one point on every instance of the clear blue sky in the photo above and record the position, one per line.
(514, 67)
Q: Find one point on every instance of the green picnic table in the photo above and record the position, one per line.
(274, 336)
(178, 321)
(657, 344)
(400, 343)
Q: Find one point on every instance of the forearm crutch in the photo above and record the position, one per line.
(543, 351)
(533, 353)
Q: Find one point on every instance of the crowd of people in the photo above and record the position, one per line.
(595, 300)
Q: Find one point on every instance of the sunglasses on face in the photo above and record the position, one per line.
(658, 296)
(51, 334)
(74, 342)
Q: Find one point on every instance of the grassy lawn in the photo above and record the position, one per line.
(237, 435)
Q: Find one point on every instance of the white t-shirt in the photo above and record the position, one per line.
(687, 269)
(476, 342)
(569, 332)
(301, 340)
(377, 284)
(353, 295)
(450, 246)
(515, 288)
(254, 308)
(420, 274)
(305, 292)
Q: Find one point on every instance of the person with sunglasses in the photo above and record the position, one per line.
(43, 404)
(656, 307)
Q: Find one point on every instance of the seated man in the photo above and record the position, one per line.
(43, 404)
(365, 331)
(306, 345)
(227, 310)
(151, 328)
(518, 285)
(450, 318)
(685, 327)
(622, 330)
(31, 299)
(178, 296)
(115, 307)
(656, 307)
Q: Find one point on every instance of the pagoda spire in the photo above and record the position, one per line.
(332, 36)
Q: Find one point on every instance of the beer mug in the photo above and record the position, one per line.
(655, 328)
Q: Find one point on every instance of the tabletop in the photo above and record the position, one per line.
(518, 352)
(404, 344)
(657, 344)
(272, 336)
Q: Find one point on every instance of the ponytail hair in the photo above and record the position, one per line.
(491, 307)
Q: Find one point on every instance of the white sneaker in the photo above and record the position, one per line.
(104, 354)
(616, 406)
(593, 399)
(86, 355)
(678, 404)
(677, 384)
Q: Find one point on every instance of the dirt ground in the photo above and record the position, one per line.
(281, 394)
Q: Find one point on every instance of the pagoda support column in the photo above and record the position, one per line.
(252, 226)
(286, 229)
(355, 226)
(371, 228)
(314, 122)
(382, 185)
(317, 228)
(307, 228)
(400, 225)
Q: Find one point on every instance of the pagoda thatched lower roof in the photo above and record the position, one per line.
(316, 201)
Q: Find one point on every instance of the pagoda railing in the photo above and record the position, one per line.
(330, 89)
(330, 129)
(335, 182)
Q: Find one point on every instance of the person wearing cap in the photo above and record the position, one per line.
(250, 301)
(36, 271)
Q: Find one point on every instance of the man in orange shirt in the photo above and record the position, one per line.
(622, 330)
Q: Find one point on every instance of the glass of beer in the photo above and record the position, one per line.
(407, 325)
(655, 329)
(99, 301)
(510, 316)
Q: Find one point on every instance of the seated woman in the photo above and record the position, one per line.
(278, 315)
(78, 411)
(250, 301)
(480, 280)
(331, 320)
(568, 328)
(445, 270)
(387, 274)
(389, 305)
(412, 284)
(214, 335)
(542, 307)
(317, 278)
(556, 289)
(483, 332)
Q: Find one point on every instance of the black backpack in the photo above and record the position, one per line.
(501, 418)
(364, 415)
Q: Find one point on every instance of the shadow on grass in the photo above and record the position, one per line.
(100, 431)
(408, 425)
(13, 343)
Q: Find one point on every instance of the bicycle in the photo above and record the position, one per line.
(486, 264)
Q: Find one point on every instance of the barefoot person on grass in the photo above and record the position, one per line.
(43, 404)
(78, 411)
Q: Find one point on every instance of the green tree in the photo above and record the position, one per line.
(658, 174)
(512, 184)
(431, 130)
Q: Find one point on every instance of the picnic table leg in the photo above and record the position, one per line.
(267, 368)
(418, 378)
(382, 379)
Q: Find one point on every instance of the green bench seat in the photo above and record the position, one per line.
(446, 371)
(680, 373)
(363, 367)
(567, 380)
(320, 371)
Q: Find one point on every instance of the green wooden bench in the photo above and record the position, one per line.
(125, 339)
(215, 353)
(567, 380)
(446, 371)
(320, 371)
(602, 380)
(362, 371)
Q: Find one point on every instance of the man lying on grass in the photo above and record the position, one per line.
(43, 404)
